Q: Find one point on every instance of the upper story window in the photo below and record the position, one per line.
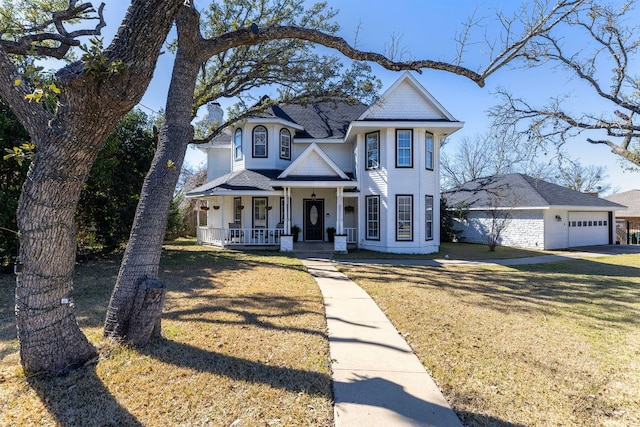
(428, 151)
(404, 148)
(237, 143)
(260, 141)
(285, 144)
(372, 141)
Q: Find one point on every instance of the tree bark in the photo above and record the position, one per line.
(146, 310)
(142, 257)
(50, 339)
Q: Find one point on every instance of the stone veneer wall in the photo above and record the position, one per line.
(525, 229)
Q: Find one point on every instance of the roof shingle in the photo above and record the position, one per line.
(519, 191)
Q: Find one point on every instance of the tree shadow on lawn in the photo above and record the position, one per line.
(81, 399)
(247, 310)
(580, 286)
(188, 356)
(186, 270)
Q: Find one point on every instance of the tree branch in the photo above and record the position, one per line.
(37, 41)
(246, 36)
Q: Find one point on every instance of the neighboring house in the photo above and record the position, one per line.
(533, 213)
(628, 221)
(369, 172)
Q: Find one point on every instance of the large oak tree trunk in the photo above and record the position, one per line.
(50, 339)
(142, 257)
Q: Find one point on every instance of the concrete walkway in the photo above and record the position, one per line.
(377, 380)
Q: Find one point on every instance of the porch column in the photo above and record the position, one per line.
(340, 210)
(287, 209)
(222, 232)
(198, 237)
(197, 214)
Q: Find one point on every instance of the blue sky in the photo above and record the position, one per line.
(427, 29)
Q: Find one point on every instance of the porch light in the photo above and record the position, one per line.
(558, 218)
(313, 194)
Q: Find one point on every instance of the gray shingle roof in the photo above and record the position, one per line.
(519, 191)
(327, 119)
(631, 199)
(244, 180)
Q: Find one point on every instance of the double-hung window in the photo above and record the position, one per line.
(428, 217)
(373, 217)
(260, 141)
(428, 151)
(285, 144)
(237, 143)
(404, 217)
(372, 141)
(404, 148)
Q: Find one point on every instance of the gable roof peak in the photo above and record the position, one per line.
(317, 156)
(407, 99)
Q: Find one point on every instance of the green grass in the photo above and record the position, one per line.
(243, 341)
(536, 345)
(455, 251)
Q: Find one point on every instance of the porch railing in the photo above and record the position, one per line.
(352, 235)
(251, 236)
(239, 236)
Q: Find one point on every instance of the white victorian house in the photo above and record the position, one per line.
(369, 173)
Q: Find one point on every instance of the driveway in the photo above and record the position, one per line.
(605, 250)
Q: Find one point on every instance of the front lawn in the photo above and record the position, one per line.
(454, 251)
(540, 345)
(244, 343)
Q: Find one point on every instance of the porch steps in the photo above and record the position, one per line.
(313, 248)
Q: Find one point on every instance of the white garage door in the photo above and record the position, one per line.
(588, 228)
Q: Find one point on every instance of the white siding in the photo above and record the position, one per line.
(406, 104)
(218, 162)
(341, 154)
(389, 181)
(556, 233)
(312, 165)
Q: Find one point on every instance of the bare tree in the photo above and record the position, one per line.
(499, 217)
(605, 62)
(486, 155)
(490, 154)
(588, 179)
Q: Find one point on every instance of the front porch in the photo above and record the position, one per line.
(252, 237)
